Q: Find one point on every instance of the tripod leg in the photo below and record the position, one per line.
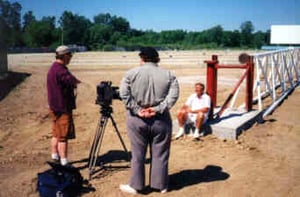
(100, 139)
(92, 156)
(96, 138)
(96, 145)
(120, 137)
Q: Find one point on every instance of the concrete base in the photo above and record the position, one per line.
(231, 124)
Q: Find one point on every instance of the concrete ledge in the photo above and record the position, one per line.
(232, 123)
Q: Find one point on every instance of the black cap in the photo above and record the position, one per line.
(148, 52)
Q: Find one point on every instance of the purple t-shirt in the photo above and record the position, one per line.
(60, 86)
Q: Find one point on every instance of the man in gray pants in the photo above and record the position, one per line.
(149, 92)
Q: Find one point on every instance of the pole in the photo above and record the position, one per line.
(249, 83)
(211, 83)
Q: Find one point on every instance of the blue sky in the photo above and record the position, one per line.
(189, 15)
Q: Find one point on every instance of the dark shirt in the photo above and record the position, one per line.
(60, 85)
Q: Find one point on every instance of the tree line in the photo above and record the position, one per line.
(109, 32)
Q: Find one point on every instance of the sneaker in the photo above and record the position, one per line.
(127, 189)
(163, 191)
(63, 161)
(196, 135)
(179, 134)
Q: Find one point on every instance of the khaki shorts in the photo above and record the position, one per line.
(62, 126)
(192, 117)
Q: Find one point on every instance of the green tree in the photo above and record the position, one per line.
(172, 37)
(4, 26)
(247, 29)
(115, 37)
(74, 28)
(215, 34)
(236, 38)
(231, 38)
(10, 22)
(109, 30)
(268, 37)
(120, 24)
(150, 38)
(28, 18)
(104, 19)
(41, 33)
(98, 36)
(259, 39)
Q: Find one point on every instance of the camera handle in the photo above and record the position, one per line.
(97, 142)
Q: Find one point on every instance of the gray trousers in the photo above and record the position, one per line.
(155, 132)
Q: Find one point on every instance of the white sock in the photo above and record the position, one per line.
(55, 156)
(196, 131)
(180, 130)
(63, 161)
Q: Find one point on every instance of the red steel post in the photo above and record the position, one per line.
(211, 82)
(249, 83)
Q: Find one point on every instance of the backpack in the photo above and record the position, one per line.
(59, 181)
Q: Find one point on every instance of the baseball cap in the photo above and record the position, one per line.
(61, 50)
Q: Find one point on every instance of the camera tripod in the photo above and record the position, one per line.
(106, 112)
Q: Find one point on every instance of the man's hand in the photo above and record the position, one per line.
(147, 112)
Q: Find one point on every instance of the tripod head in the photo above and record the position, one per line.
(106, 110)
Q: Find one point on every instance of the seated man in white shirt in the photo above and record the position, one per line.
(195, 111)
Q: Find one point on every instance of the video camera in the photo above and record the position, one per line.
(106, 93)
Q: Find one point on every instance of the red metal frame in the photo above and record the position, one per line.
(212, 78)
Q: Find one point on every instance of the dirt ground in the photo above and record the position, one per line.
(263, 161)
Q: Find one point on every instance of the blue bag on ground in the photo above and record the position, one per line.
(59, 181)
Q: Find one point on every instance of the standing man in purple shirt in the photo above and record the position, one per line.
(61, 87)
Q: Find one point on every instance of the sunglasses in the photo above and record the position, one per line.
(69, 54)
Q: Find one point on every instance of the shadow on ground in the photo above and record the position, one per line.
(192, 177)
(9, 81)
(187, 178)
